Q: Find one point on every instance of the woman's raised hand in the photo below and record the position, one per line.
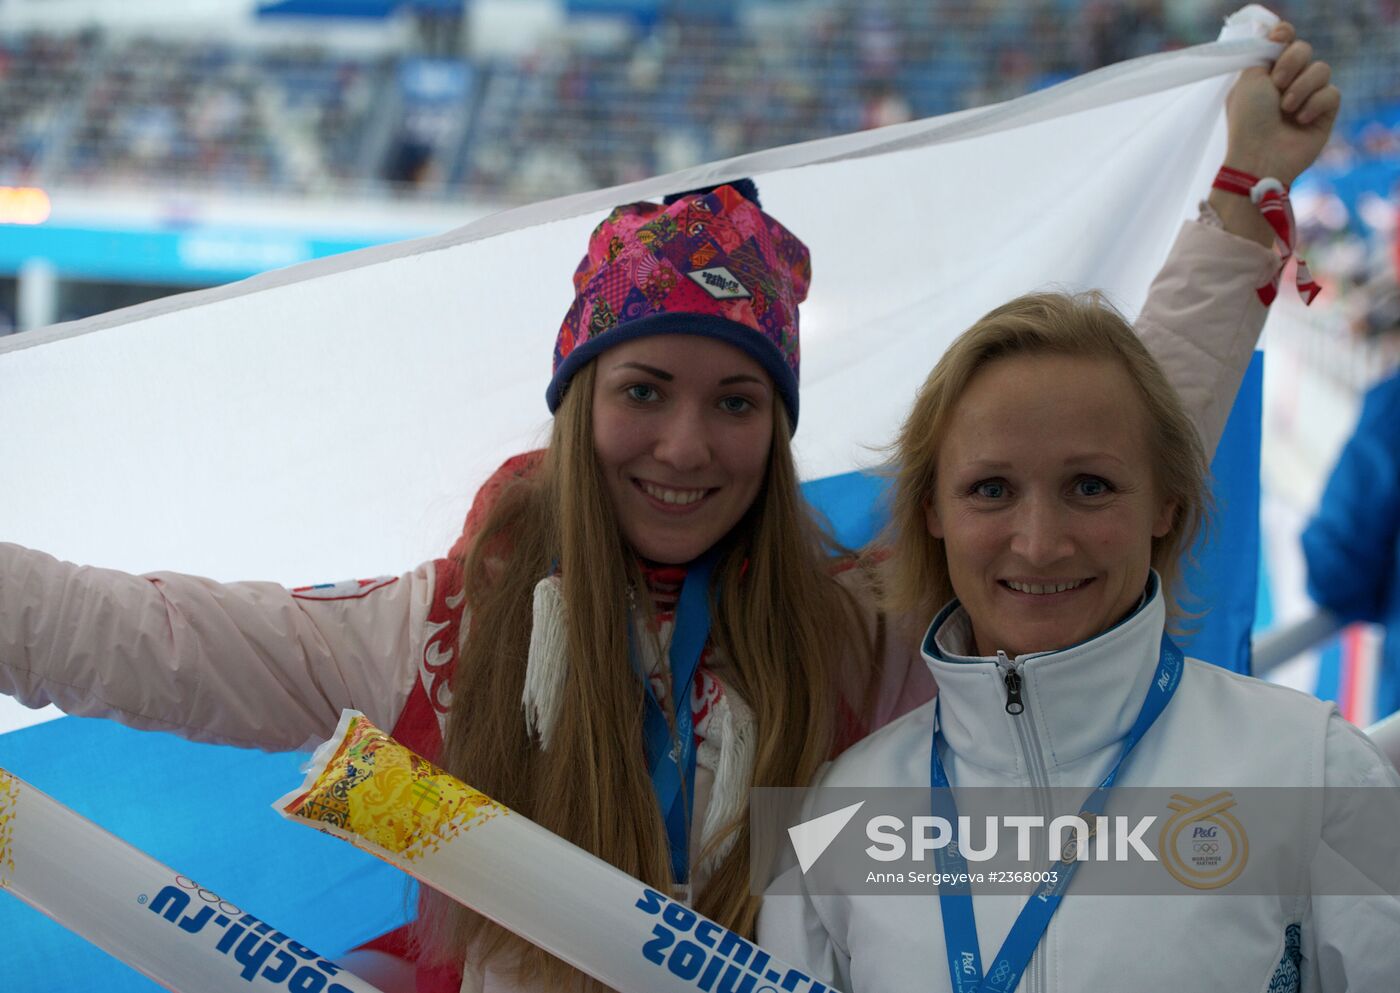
(1280, 117)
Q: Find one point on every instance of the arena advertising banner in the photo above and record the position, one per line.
(332, 420)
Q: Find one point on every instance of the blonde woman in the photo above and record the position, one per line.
(659, 552)
(1049, 484)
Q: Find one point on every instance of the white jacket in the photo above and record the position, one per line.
(1220, 731)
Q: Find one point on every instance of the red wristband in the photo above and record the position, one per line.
(1235, 181)
(1271, 197)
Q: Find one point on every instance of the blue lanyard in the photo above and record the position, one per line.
(955, 900)
(671, 760)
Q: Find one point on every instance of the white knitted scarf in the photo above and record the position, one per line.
(727, 749)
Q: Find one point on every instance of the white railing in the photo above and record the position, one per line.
(1273, 649)
(1276, 647)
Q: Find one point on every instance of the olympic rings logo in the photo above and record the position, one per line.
(186, 883)
(1206, 847)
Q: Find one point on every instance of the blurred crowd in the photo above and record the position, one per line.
(696, 82)
(1347, 212)
(85, 107)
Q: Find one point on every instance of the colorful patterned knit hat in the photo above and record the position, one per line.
(708, 263)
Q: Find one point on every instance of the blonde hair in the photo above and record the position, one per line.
(782, 628)
(1085, 326)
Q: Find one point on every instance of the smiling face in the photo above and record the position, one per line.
(1045, 501)
(682, 427)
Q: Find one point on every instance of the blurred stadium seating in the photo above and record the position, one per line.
(588, 108)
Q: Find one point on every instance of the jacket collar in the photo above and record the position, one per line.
(1078, 700)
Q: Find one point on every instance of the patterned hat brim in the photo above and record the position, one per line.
(741, 336)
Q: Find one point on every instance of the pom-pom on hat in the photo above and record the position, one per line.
(708, 263)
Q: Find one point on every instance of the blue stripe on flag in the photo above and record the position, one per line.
(1224, 579)
(1329, 671)
(1264, 609)
(852, 504)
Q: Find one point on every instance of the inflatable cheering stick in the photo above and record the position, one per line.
(373, 792)
(163, 925)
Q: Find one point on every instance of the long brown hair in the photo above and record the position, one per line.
(1037, 324)
(782, 629)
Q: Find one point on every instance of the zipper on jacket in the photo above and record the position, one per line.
(1014, 705)
(1033, 980)
(1026, 729)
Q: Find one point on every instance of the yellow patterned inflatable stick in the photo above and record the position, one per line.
(370, 786)
(364, 788)
(9, 804)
